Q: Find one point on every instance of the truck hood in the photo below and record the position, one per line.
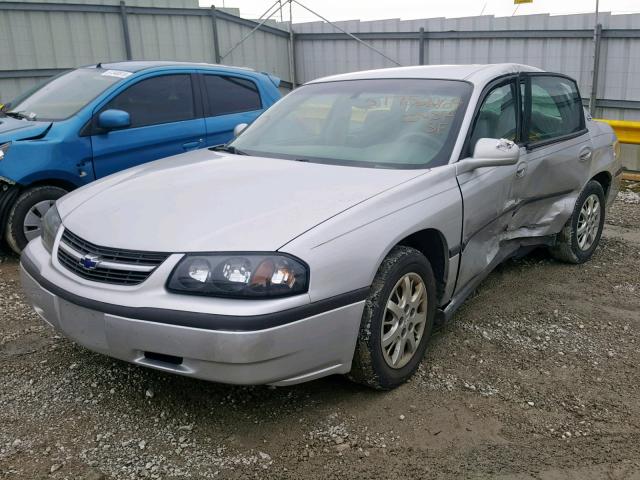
(210, 201)
(16, 129)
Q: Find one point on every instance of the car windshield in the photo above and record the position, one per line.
(388, 123)
(66, 94)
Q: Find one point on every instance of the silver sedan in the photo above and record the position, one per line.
(334, 232)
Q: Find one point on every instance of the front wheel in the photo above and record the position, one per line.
(396, 322)
(25, 217)
(580, 236)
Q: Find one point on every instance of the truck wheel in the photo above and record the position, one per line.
(25, 217)
(580, 236)
(397, 321)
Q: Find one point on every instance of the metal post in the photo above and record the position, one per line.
(125, 29)
(292, 60)
(214, 28)
(596, 69)
(421, 48)
(262, 22)
(362, 42)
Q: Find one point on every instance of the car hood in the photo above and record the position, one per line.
(209, 201)
(16, 129)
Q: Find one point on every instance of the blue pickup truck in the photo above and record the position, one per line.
(96, 120)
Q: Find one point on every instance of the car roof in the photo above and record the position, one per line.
(478, 74)
(137, 66)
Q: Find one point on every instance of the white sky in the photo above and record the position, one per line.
(413, 9)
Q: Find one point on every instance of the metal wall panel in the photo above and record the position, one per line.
(573, 55)
(36, 37)
(263, 51)
(59, 36)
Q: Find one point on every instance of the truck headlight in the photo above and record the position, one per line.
(3, 149)
(50, 224)
(242, 275)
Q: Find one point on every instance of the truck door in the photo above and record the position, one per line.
(556, 163)
(487, 192)
(164, 122)
(228, 101)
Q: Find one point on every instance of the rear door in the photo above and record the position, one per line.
(165, 120)
(487, 192)
(228, 101)
(558, 156)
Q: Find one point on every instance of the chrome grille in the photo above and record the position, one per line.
(112, 265)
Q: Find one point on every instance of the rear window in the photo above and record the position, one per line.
(231, 95)
(556, 108)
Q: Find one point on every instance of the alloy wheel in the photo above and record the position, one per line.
(588, 222)
(404, 321)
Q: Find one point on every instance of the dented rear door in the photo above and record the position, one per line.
(556, 163)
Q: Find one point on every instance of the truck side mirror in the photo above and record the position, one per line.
(490, 152)
(114, 119)
(238, 129)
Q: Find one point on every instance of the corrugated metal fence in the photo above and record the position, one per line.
(561, 43)
(40, 39)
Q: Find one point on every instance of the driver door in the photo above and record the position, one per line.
(165, 121)
(488, 192)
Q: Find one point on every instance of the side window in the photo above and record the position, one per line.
(231, 95)
(556, 108)
(164, 99)
(496, 118)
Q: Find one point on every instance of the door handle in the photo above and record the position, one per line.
(192, 145)
(521, 169)
(585, 155)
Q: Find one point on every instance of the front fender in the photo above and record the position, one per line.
(344, 252)
(30, 161)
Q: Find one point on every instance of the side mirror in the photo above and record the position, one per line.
(114, 119)
(238, 129)
(490, 152)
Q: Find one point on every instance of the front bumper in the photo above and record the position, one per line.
(298, 351)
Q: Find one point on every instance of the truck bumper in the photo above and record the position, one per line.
(299, 351)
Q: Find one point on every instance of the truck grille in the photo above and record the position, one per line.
(105, 264)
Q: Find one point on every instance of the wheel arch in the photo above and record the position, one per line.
(604, 179)
(433, 245)
(52, 182)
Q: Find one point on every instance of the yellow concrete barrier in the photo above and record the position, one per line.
(627, 132)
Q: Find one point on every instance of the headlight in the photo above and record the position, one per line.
(3, 149)
(50, 225)
(253, 275)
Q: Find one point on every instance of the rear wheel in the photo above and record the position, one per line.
(25, 217)
(397, 321)
(580, 236)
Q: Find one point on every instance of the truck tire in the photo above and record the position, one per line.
(581, 234)
(25, 216)
(397, 321)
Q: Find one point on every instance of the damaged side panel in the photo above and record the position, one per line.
(546, 186)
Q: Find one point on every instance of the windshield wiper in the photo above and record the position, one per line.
(228, 148)
(22, 115)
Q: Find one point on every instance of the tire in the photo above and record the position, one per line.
(371, 366)
(15, 235)
(571, 245)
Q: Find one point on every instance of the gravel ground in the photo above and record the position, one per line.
(536, 377)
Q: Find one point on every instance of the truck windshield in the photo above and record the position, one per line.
(387, 123)
(64, 95)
